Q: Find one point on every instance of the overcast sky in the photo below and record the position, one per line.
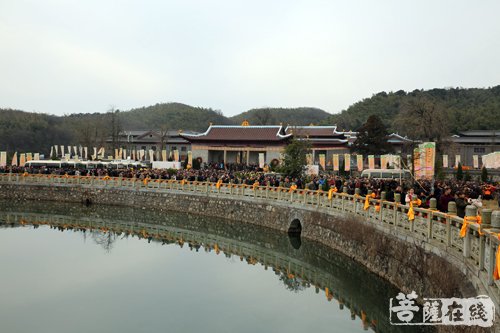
(62, 56)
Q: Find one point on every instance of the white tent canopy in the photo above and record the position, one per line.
(492, 160)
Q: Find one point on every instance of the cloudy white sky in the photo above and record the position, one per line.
(64, 56)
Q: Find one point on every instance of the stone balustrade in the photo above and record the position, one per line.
(435, 231)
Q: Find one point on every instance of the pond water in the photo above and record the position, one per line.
(71, 268)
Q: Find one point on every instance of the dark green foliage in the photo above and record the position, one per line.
(274, 116)
(484, 174)
(467, 176)
(196, 164)
(372, 138)
(294, 158)
(462, 109)
(460, 172)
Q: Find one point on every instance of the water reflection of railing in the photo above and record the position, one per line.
(296, 274)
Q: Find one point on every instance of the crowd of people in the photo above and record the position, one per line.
(444, 191)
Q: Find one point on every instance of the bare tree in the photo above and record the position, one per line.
(423, 118)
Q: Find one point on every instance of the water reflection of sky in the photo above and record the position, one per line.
(56, 281)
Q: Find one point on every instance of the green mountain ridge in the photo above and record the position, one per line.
(418, 114)
(453, 110)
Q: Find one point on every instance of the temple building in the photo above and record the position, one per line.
(239, 144)
(466, 144)
(155, 140)
(323, 139)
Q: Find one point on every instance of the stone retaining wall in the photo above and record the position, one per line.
(398, 260)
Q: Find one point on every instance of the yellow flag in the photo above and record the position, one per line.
(496, 272)
(411, 212)
(367, 202)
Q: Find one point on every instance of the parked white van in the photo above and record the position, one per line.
(386, 173)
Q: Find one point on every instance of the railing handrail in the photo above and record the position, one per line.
(426, 220)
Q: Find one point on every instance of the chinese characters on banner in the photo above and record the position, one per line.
(335, 162)
(371, 161)
(477, 311)
(347, 162)
(424, 157)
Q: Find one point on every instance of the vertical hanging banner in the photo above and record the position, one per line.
(336, 162)
(101, 153)
(409, 162)
(359, 162)
(68, 151)
(309, 159)
(80, 152)
(190, 158)
(142, 153)
(475, 161)
(347, 162)
(429, 150)
(94, 156)
(322, 160)
(86, 153)
(125, 156)
(56, 150)
(383, 161)
(3, 159)
(424, 158)
(416, 163)
(29, 157)
(120, 154)
(36, 156)
(371, 161)
(116, 154)
(75, 148)
(261, 160)
(176, 155)
(51, 152)
(151, 155)
(14, 160)
(62, 151)
(457, 160)
(445, 161)
(133, 155)
(22, 160)
(164, 155)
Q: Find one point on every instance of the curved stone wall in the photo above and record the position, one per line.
(396, 257)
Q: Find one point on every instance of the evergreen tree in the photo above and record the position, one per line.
(484, 174)
(372, 138)
(460, 172)
(294, 158)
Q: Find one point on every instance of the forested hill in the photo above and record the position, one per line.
(430, 114)
(451, 110)
(172, 116)
(36, 132)
(274, 116)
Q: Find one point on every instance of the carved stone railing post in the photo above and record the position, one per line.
(470, 211)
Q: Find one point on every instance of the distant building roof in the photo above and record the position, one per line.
(477, 137)
(396, 138)
(314, 131)
(239, 133)
(150, 136)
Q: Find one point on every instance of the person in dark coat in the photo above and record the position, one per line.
(461, 202)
